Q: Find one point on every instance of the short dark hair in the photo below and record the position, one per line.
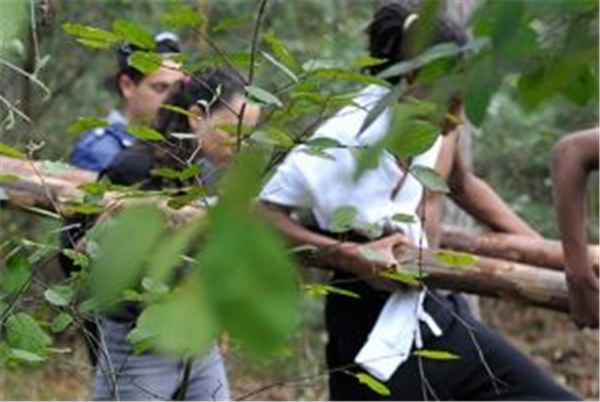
(215, 87)
(387, 34)
(166, 43)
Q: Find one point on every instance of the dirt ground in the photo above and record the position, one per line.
(555, 344)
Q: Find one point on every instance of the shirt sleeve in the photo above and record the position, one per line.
(287, 186)
(94, 152)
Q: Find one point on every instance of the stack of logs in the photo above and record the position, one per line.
(507, 266)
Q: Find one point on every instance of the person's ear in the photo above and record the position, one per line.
(196, 117)
(126, 86)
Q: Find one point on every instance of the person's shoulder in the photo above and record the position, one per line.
(131, 166)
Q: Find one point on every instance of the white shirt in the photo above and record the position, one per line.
(322, 185)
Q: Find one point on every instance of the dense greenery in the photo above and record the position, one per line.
(530, 75)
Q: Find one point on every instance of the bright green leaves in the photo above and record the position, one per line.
(134, 34)
(59, 295)
(123, 248)
(411, 132)
(16, 275)
(245, 269)
(430, 178)
(180, 15)
(342, 219)
(145, 62)
(274, 137)
(319, 290)
(144, 133)
(7, 150)
(24, 333)
(455, 258)
(435, 354)
(61, 322)
(90, 36)
(374, 384)
(180, 324)
(262, 97)
(86, 123)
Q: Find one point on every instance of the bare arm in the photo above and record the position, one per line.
(478, 199)
(336, 255)
(573, 158)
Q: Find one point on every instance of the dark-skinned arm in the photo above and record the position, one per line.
(479, 200)
(573, 158)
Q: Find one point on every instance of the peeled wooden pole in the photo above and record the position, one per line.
(542, 252)
(498, 278)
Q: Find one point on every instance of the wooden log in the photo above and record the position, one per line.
(540, 252)
(36, 184)
(41, 184)
(498, 278)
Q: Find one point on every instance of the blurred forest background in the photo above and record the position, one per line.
(511, 151)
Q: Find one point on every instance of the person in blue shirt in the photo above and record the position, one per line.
(142, 97)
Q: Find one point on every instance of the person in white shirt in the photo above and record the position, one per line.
(380, 331)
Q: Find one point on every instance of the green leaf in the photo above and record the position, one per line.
(273, 136)
(342, 219)
(169, 255)
(25, 356)
(391, 98)
(323, 143)
(88, 33)
(436, 354)
(281, 53)
(144, 133)
(182, 16)
(262, 97)
(60, 295)
(181, 324)
(145, 62)
(24, 332)
(85, 124)
(339, 74)
(437, 52)
(134, 34)
(8, 178)
(7, 150)
(482, 82)
(375, 385)
(16, 274)
(405, 277)
(412, 138)
(260, 274)
(455, 258)
(61, 322)
(280, 66)
(430, 178)
(95, 44)
(404, 218)
(121, 254)
(179, 110)
(141, 339)
(83, 209)
(318, 290)
(78, 258)
(182, 175)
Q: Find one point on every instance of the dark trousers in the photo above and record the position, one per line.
(488, 368)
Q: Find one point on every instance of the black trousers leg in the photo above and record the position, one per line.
(488, 368)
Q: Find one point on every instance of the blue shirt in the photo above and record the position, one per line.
(97, 148)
